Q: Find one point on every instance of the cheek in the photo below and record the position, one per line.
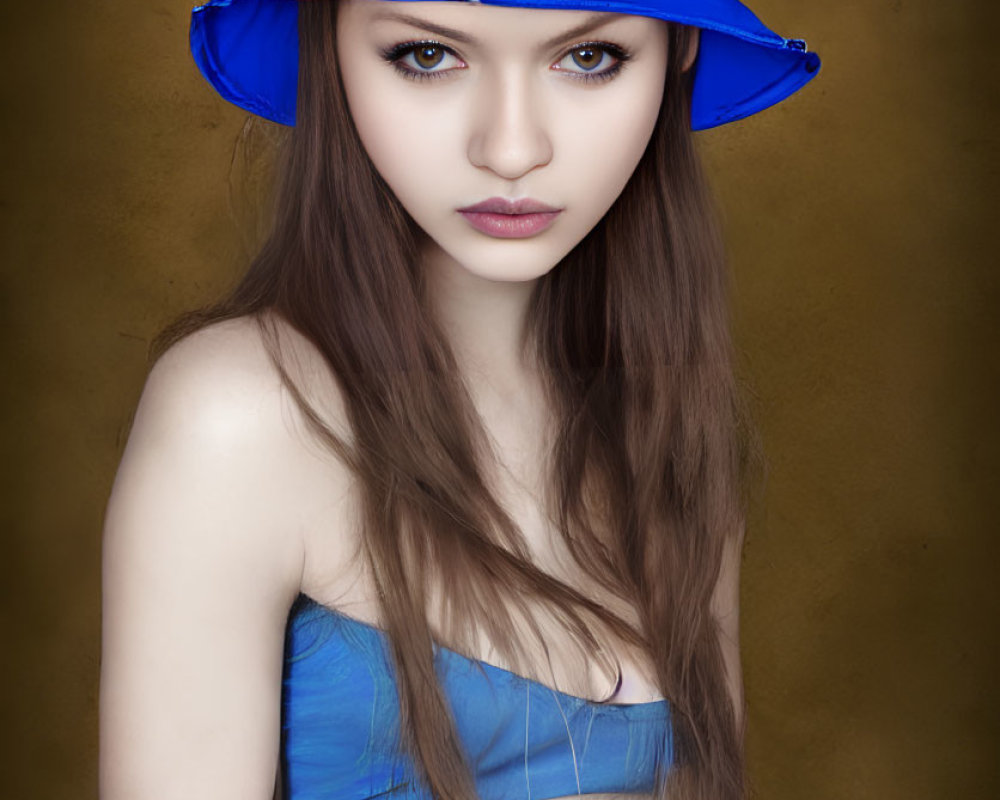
(366, 87)
(408, 142)
(607, 141)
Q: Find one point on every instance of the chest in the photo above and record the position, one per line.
(340, 723)
(517, 475)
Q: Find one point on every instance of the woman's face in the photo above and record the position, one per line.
(506, 133)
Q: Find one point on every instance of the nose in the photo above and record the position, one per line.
(509, 133)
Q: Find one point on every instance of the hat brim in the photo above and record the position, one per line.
(248, 50)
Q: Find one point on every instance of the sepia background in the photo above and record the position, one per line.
(862, 218)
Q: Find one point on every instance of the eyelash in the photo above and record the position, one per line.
(395, 54)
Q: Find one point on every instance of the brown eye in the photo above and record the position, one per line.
(587, 57)
(428, 56)
(592, 61)
(423, 60)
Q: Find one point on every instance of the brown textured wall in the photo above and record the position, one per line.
(861, 216)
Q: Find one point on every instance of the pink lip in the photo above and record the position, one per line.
(510, 219)
(501, 205)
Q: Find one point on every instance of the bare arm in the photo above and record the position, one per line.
(726, 609)
(200, 567)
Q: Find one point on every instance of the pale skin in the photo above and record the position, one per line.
(223, 509)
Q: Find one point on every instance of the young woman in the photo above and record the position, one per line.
(445, 499)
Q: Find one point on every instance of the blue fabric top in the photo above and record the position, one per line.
(340, 723)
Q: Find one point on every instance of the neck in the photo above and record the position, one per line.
(483, 320)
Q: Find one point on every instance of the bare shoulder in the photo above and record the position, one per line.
(223, 376)
(224, 439)
(204, 551)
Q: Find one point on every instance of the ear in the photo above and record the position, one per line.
(692, 51)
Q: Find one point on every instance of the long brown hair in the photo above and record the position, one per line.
(631, 331)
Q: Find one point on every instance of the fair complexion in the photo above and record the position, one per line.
(458, 103)
(223, 510)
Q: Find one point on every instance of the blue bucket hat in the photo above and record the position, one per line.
(249, 51)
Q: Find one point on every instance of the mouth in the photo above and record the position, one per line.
(510, 219)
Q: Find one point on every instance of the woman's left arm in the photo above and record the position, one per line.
(726, 610)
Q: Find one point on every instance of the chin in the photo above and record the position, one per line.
(509, 261)
(504, 260)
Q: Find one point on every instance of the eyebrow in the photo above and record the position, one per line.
(595, 21)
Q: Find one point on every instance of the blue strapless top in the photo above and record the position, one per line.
(524, 740)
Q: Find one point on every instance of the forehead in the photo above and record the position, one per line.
(476, 24)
